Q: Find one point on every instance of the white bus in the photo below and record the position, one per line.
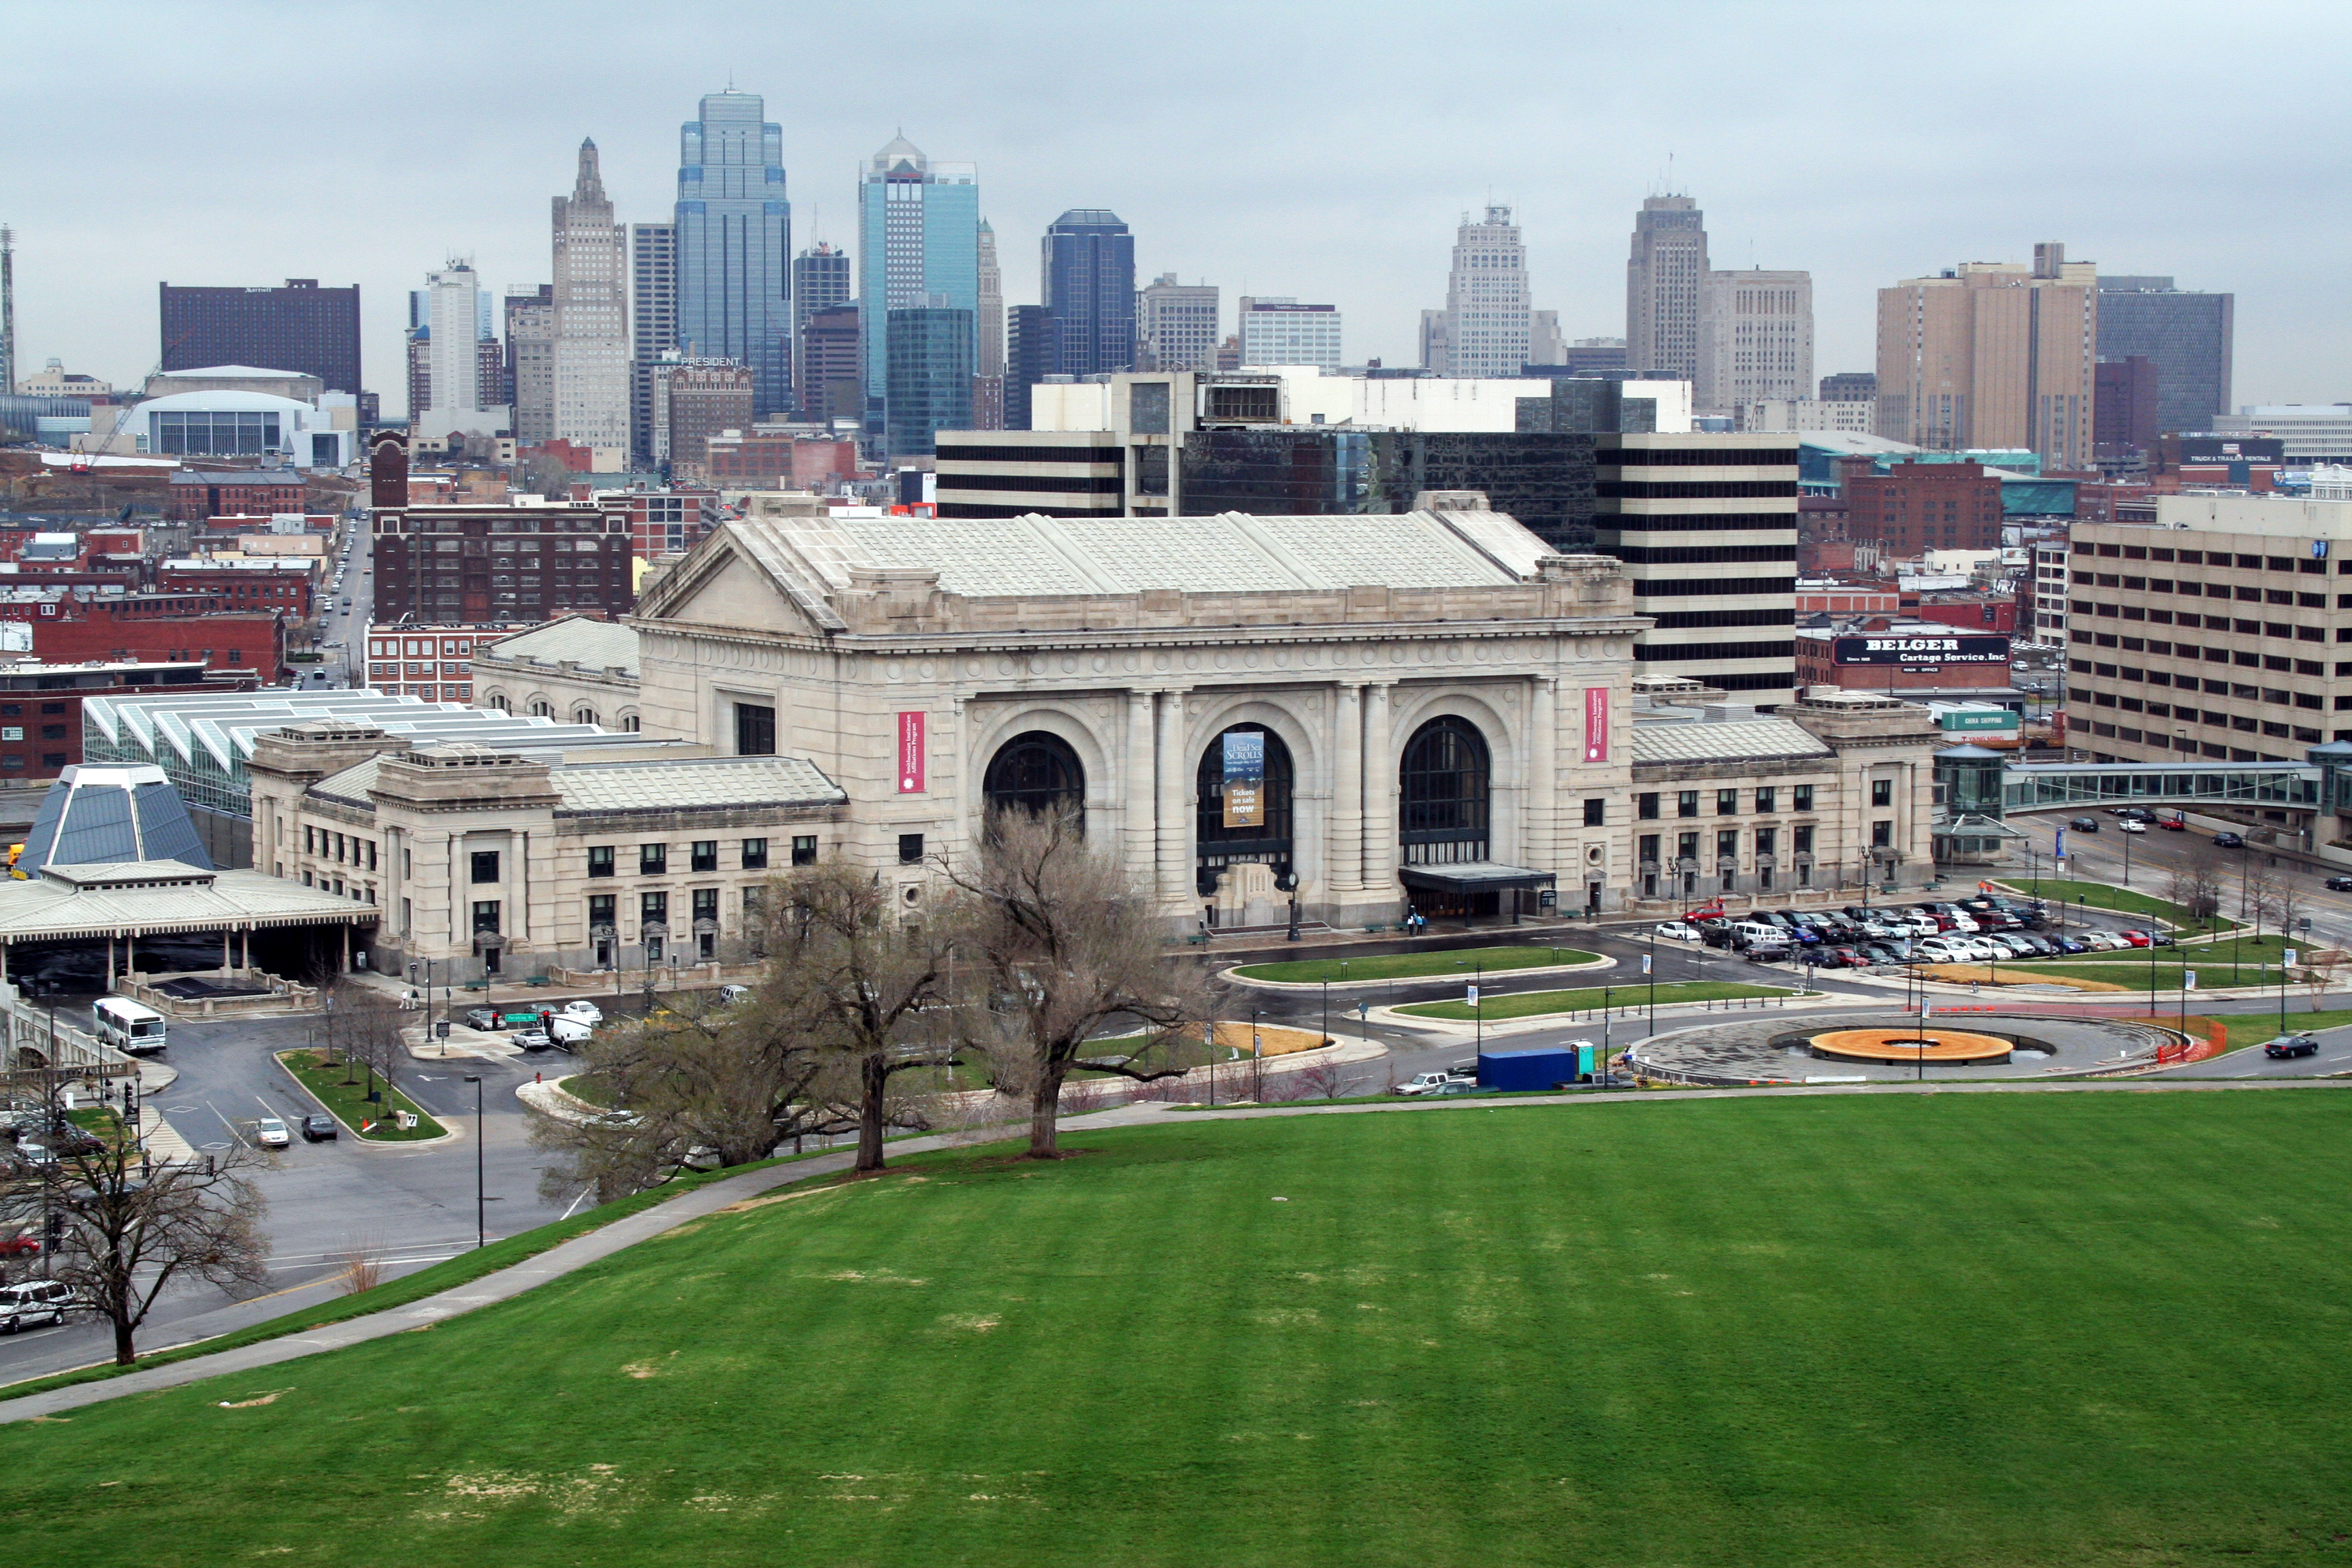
(127, 1026)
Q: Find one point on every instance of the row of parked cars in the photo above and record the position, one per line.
(1862, 936)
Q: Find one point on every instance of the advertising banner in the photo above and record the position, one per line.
(1244, 759)
(1924, 649)
(1596, 723)
(910, 753)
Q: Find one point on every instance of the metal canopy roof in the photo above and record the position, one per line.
(1476, 877)
(150, 898)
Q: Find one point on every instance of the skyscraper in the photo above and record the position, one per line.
(1278, 330)
(1086, 279)
(591, 358)
(735, 243)
(919, 250)
(453, 357)
(1485, 329)
(930, 378)
(988, 342)
(1028, 359)
(1756, 339)
(530, 360)
(821, 281)
(1176, 324)
(1993, 355)
(653, 324)
(2186, 335)
(1662, 277)
(300, 327)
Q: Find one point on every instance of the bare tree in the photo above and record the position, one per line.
(365, 1026)
(1065, 946)
(127, 1231)
(2319, 975)
(2262, 890)
(2289, 903)
(867, 991)
(2196, 884)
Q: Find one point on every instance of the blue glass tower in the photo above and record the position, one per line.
(1088, 282)
(735, 245)
(918, 251)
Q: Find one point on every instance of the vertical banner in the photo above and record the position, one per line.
(1245, 761)
(910, 753)
(1596, 723)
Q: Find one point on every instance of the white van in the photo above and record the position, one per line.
(1761, 931)
(126, 1025)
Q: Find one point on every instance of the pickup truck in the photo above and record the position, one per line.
(1432, 1082)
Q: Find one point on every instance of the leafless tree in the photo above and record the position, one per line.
(1065, 945)
(867, 992)
(2289, 903)
(364, 1025)
(2196, 884)
(2263, 892)
(127, 1231)
(691, 1081)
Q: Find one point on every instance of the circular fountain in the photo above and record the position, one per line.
(1907, 1046)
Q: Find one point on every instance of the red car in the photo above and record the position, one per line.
(2172, 825)
(23, 1243)
(2137, 938)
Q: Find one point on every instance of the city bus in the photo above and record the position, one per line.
(127, 1026)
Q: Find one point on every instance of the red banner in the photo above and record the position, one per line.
(910, 753)
(1596, 723)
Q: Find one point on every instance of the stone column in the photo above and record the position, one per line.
(1173, 829)
(1379, 797)
(1543, 838)
(1343, 847)
(1139, 802)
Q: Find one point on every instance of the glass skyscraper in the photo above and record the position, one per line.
(919, 253)
(734, 240)
(1086, 279)
(2188, 335)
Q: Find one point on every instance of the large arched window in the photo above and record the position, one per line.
(1222, 836)
(1445, 783)
(1037, 770)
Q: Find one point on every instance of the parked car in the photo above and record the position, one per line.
(2070, 945)
(23, 1243)
(585, 1011)
(2159, 939)
(1431, 1082)
(2227, 841)
(2084, 824)
(1765, 952)
(2137, 938)
(730, 995)
(1678, 930)
(2338, 884)
(2291, 1046)
(319, 1128)
(1719, 933)
(1938, 950)
(2038, 946)
(1878, 953)
(2104, 942)
(271, 1133)
(33, 1304)
(1847, 958)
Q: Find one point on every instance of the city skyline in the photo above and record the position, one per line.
(1370, 232)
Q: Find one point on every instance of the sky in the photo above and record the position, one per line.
(1325, 151)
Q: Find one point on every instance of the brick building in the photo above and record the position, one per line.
(284, 585)
(773, 461)
(1890, 653)
(235, 642)
(1916, 507)
(196, 495)
(40, 708)
(434, 662)
(706, 396)
(515, 566)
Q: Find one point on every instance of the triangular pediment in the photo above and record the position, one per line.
(724, 586)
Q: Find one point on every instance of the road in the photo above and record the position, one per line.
(2155, 855)
(342, 629)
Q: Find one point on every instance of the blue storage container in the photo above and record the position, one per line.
(1527, 1070)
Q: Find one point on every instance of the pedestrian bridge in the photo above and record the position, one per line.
(2055, 786)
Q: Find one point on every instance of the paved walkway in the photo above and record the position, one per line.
(604, 1242)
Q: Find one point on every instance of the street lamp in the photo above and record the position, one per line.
(481, 1223)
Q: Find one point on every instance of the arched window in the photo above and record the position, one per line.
(1222, 836)
(629, 722)
(499, 700)
(540, 710)
(584, 716)
(1445, 781)
(1037, 770)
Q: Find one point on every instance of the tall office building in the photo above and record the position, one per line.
(707, 397)
(653, 325)
(735, 244)
(1994, 354)
(918, 251)
(300, 327)
(821, 282)
(1756, 339)
(2186, 335)
(1086, 279)
(453, 355)
(831, 379)
(929, 386)
(591, 315)
(1176, 324)
(988, 342)
(1028, 359)
(1662, 278)
(530, 361)
(1487, 326)
(1278, 330)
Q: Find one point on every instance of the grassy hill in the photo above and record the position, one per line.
(2089, 1329)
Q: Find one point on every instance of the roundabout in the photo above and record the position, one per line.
(1896, 1046)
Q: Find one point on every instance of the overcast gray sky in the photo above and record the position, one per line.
(1282, 147)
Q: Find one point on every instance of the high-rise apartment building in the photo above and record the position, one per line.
(1028, 359)
(1756, 339)
(1662, 280)
(1086, 279)
(530, 361)
(653, 324)
(821, 282)
(1994, 354)
(1487, 326)
(453, 356)
(592, 314)
(1706, 526)
(1278, 330)
(1176, 325)
(734, 243)
(300, 327)
(2187, 336)
(919, 250)
(1850, 387)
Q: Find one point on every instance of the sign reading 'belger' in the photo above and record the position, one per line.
(1920, 650)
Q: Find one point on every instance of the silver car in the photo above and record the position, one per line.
(35, 1304)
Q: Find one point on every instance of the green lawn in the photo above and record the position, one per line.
(349, 1101)
(1635, 993)
(2210, 976)
(1452, 1344)
(2254, 1029)
(2103, 896)
(1413, 965)
(594, 1087)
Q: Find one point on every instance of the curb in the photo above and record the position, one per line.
(1234, 976)
(448, 1129)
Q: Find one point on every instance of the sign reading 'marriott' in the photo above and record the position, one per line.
(1919, 650)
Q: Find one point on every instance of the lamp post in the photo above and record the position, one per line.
(1324, 1035)
(481, 1223)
